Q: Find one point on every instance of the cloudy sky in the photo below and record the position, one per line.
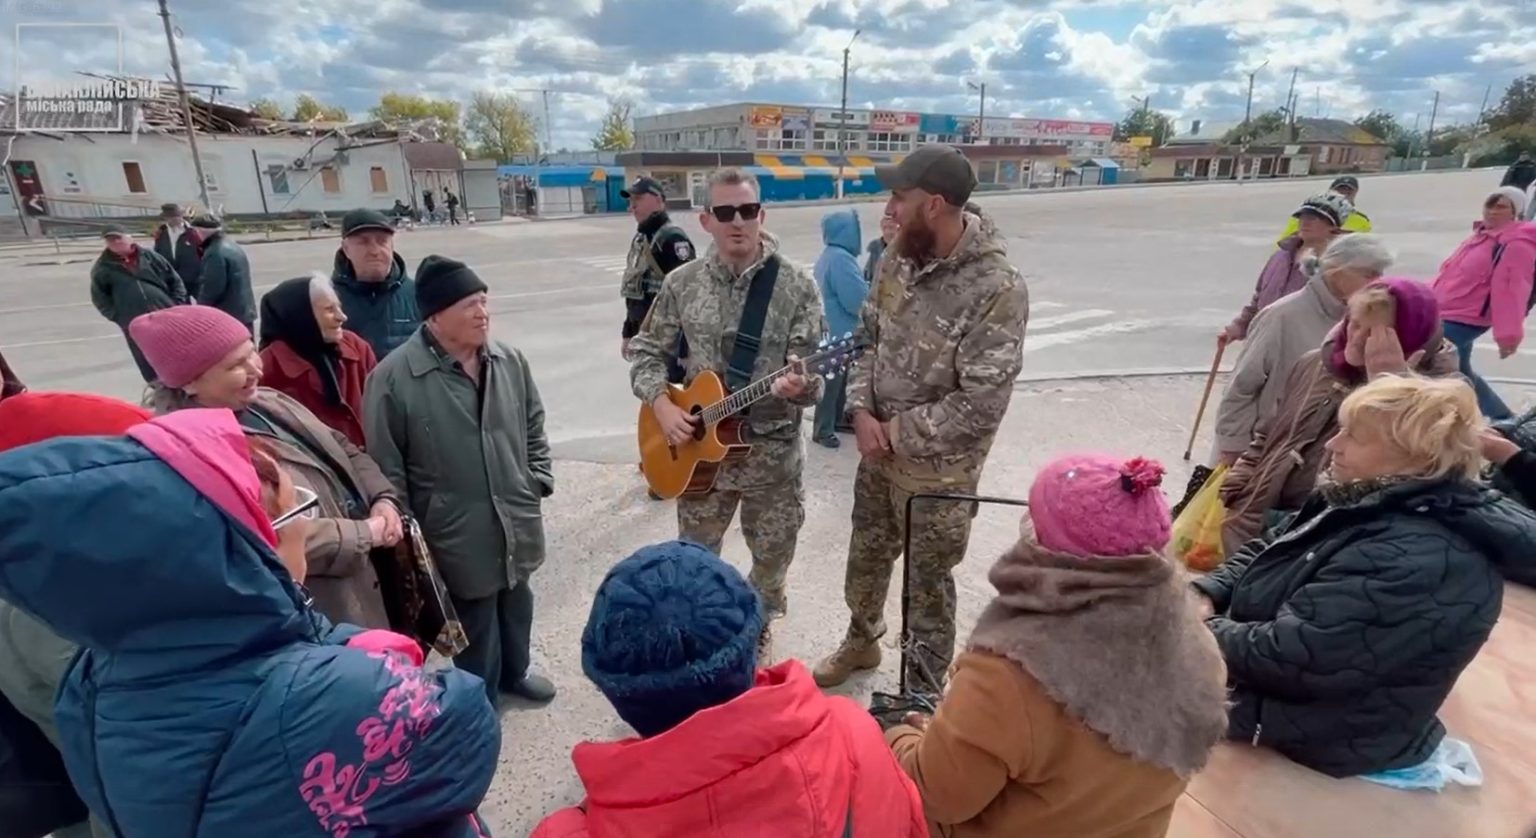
(1044, 58)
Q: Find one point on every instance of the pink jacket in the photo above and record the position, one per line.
(781, 759)
(1281, 276)
(1472, 290)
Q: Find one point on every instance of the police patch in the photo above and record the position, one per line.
(682, 250)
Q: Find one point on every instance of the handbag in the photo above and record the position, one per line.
(415, 596)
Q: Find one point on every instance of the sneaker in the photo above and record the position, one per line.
(827, 441)
(774, 607)
(852, 656)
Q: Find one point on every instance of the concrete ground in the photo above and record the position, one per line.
(1120, 280)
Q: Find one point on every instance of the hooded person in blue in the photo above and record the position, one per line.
(843, 288)
(209, 699)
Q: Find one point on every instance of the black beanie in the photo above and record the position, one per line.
(441, 282)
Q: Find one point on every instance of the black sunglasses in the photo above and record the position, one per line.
(727, 213)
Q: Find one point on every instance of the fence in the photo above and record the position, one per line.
(1414, 164)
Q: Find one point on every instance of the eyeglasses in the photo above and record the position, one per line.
(727, 213)
(307, 508)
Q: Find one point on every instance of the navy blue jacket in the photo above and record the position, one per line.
(226, 279)
(210, 699)
(382, 313)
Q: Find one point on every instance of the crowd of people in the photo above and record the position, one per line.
(227, 650)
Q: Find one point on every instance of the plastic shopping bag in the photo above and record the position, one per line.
(1196, 537)
(1452, 762)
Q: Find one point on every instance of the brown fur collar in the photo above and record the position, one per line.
(1118, 643)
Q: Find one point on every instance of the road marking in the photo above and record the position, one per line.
(56, 306)
(552, 291)
(1493, 347)
(60, 342)
(1044, 305)
(1059, 338)
(1069, 317)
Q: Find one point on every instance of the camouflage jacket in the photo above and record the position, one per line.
(702, 301)
(946, 342)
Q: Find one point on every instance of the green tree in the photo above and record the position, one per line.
(1518, 107)
(1382, 125)
(500, 126)
(1266, 123)
(266, 109)
(394, 106)
(307, 109)
(617, 132)
(1142, 122)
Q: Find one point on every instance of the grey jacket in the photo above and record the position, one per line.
(1280, 334)
(32, 663)
(476, 486)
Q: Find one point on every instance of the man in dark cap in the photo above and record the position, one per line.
(1347, 187)
(371, 281)
(944, 323)
(175, 241)
(226, 272)
(658, 247)
(454, 419)
(127, 281)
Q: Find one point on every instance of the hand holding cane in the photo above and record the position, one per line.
(1210, 381)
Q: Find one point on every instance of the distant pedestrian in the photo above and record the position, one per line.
(1487, 283)
(888, 230)
(306, 353)
(371, 280)
(429, 201)
(842, 296)
(452, 202)
(1348, 188)
(1521, 174)
(226, 273)
(127, 281)
(175, 241)
(454, 419)
(1319, 220)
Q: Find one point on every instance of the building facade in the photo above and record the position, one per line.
(761, 127)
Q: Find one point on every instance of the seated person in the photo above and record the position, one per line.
(1392, 325)
(1511, 448)
(1343, 636)
(724, 749)
(209, 698)
(1048, 727)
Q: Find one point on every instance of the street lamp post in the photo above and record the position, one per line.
(981, 115)
(1248, 119)
(842, 119)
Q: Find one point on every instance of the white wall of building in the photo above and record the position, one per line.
(241, 170)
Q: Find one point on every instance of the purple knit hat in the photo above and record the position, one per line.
(1093, 505)
(1417, 322)
(183, 342)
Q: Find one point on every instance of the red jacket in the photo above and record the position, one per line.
(284, 371)
(780, 760)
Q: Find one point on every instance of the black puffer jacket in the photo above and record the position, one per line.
(1345, 634)
(1517, 477)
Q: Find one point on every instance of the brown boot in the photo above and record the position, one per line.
(852, 656)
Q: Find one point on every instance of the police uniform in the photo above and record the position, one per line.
(659, 246)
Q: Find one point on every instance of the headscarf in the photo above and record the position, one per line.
(287, 315)
(1417, 323)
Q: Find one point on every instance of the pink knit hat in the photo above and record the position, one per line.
(1091, 505)
(183, 342)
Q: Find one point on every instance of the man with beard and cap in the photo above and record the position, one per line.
(1347, 187)
(375, 290)
(127, 281)
(175, 241)
(944, 324)
(710, 300)
(658, 247)
(226, 272)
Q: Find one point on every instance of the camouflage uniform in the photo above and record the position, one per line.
(702, 301)
(946, 343)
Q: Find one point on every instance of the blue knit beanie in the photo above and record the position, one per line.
(673, 630)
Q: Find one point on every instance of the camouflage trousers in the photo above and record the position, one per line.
(770, 522)
(940, 532)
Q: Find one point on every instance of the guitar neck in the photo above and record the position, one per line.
(745, 397)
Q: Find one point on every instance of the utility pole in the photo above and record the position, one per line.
(1290, 107)
(1248, 118)
(186, 109)
(1482, 111)
(981, 116)
(1429, 136)
(842, 119)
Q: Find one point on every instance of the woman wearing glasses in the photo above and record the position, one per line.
(210, 699)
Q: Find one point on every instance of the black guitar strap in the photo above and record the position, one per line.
(749, 334)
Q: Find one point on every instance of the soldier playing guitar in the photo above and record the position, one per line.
(746, 312)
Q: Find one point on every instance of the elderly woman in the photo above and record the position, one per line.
(1318, 221)
(1343, 636)
(1286, 330)
(306, 354)
(1392, 326)
(205, 358)
(1487, 283)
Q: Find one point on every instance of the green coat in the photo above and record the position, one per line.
(121, 294)
(476, 486)
(226, 280)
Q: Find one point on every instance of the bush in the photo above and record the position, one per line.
(1505, 146)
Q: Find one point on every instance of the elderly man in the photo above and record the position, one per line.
(127, 281)
(945, 327)
(376, 292)
(454, 420)
(226, 273)
(175, 241)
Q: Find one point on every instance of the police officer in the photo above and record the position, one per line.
(658, 247)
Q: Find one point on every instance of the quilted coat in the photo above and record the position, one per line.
(1345, 634)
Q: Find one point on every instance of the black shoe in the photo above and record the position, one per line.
(535, 688)
(827, 441)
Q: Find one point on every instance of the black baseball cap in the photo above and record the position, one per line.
(643, 186)
(359, 220)
(937, 169)
(1349, 181)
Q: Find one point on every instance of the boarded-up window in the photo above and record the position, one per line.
(377, 179)
(135, 177)
(330, 181)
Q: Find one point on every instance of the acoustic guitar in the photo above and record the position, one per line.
(721, 434)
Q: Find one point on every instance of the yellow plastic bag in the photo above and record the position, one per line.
(1196, 537)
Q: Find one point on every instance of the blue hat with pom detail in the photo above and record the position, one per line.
(673, 630)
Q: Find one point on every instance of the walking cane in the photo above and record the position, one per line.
(1210, 381)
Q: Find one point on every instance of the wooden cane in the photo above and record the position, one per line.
(1210, 381)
